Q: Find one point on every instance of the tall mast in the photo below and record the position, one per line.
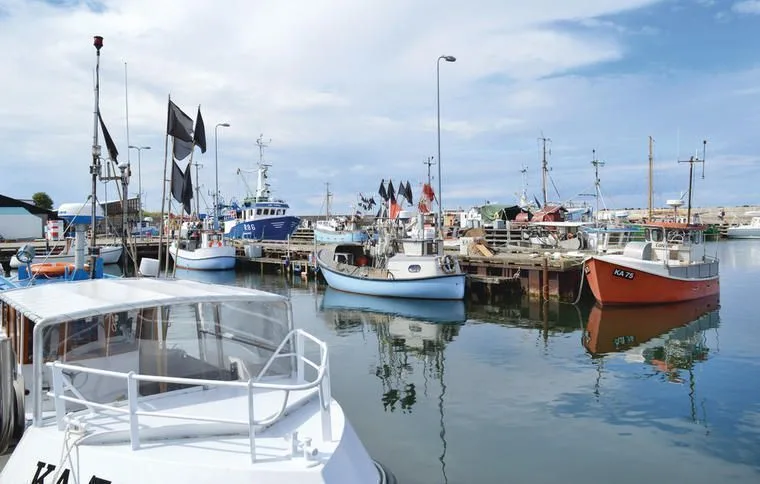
(327, 199)
(597, 164)
(429, 162)
(691, 161)
(651, 178)
(197, 190)
(262, 188)
(95, 167)
(544, 165)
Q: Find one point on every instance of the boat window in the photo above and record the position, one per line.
(258, 211)
(655, 235)
(415, 268)
(215, 341)
(696, 237)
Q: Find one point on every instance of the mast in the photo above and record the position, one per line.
(95, 167)
(429, 162)
(327, 199)
(691, 161)
(544, 165)
(597, 164)
(651, 178)
(262, 187)
(197, 190)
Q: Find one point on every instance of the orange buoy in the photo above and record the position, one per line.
(53, 269)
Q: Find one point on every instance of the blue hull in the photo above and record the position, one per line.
(275, 228)
(340, 237)
(429, 310)
(439, 287)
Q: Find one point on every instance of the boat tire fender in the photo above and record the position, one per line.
(447, 264)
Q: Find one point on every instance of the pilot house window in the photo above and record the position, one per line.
(415, 268)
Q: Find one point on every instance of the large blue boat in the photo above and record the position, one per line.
(261, 217)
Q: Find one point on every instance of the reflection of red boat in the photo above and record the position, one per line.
(611, 329)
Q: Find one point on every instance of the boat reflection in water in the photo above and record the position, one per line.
(668, 337)
(211, 277)
(409, 333)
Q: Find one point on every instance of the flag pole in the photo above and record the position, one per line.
(163, 188)
(182, 209)
(169, 219)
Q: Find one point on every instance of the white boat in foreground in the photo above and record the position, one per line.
(154, 380)
(209, 253)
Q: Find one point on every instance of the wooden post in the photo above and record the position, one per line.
(545, 280)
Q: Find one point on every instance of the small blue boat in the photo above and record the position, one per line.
(421, 272)
(261, 217)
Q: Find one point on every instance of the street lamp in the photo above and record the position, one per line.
(216, 174)
(139, 181)
(447, 58)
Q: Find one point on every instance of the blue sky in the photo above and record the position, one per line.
(346, 91)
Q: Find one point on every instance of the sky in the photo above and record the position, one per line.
(346, 91)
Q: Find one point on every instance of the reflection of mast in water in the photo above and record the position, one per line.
(440, 359)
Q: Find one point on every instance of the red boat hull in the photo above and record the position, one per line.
(614, 283)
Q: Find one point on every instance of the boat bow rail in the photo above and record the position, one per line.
(64, 391)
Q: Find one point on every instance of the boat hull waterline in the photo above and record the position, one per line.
(205, 259)
(275, 228)
(440, 287)
(617, 283)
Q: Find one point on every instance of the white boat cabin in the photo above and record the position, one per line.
(670, 243)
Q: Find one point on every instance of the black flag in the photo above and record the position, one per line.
(199, 135)
(178, 182)
(181, 148)
(187, 190)
(391, 193)
(382, 191)
(408, 192)
(179, 124)
(112, 151)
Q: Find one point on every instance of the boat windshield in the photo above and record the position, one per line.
(209, 341)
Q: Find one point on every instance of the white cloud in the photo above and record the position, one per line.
(346, 90)
(747, 6)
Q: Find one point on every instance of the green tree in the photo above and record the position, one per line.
(43, 200)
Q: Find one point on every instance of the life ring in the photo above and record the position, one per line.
(447, 264)
(214, 243)
(53, 269)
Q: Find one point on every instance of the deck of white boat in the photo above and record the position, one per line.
(188, 439)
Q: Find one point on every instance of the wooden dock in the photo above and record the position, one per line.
(506, 274)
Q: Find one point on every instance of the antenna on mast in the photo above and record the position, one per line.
(650, 202)
(691, 161)
(597, 164)
(429, 162)
(544, 165)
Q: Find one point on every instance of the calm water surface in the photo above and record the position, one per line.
(518, 392)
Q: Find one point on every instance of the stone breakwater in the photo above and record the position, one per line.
(708, 215)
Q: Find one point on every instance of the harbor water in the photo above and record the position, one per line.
(470, 392)
(524, 392)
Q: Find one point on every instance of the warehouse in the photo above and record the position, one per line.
(20, 220)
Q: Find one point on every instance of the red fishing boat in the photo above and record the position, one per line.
(671, 265)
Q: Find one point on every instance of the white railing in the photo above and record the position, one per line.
(62, 384)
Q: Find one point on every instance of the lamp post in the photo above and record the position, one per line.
(447, 58)
(139, 181)
(216, 174)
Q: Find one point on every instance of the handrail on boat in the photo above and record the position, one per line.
(62, 384)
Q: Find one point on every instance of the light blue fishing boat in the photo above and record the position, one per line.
(420, 270)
